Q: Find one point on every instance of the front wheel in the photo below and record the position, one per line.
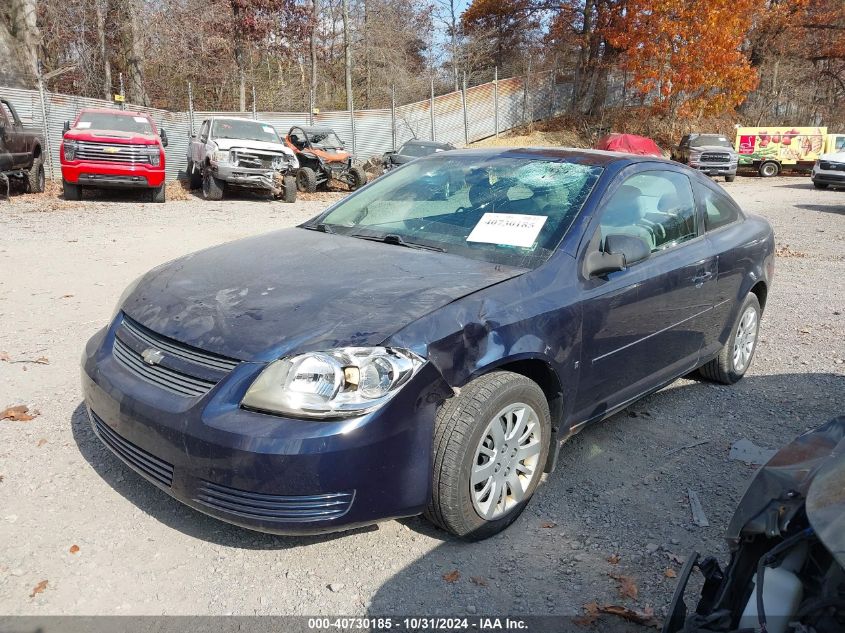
(491, 444)
(157, 194)
(35, 177)
(820, 185)
(730, 178)
(71, 191)
(735, 358)
(289, 188)
(306, 180)
(212, 188)
(357, 177)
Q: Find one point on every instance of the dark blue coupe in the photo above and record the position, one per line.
(413, 352)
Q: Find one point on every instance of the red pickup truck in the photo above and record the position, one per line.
(114, 149)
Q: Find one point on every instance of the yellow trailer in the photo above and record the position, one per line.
(768, 150)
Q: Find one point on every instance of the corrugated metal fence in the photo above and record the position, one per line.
(458, 118)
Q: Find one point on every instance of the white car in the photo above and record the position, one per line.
(829, 171)
(238, 152)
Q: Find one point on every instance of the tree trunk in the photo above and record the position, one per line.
(24, 31)
(101, 8)
(315, 17)
(347, 55)
(239, 54)
(134, 52)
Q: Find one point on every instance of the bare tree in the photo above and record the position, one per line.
(347, 55)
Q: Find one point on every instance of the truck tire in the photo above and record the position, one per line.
(71, 191)
(212, 188)
(289, 188)
(157, 194)
(730, 178)
(357, 177)
(194, 176)
(769, 169)
(35, 177)
(306, 180)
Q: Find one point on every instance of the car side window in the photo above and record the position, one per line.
(657, 207)
(204, 132)
(718, 210)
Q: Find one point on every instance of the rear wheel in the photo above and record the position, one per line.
(35, 177)
(357, 177)
(491, 444)
(289, 188)
(306, 180)
(769, 169)
(735, 358)
(71, 191)
(157, 194)
(212, 188)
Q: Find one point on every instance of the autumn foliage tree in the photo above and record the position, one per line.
(686, 56)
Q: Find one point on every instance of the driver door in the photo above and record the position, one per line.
(645, 325)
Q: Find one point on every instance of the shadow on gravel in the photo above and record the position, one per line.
(839, 208)
(167, 510)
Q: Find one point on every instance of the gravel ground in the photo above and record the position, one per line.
(107, 542)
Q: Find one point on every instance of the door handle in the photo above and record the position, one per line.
(700, 278)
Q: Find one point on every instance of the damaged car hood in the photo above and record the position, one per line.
(298, 290)
(810, 470)
(242, 143)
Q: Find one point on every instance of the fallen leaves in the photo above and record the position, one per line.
(19, 413)
(4, 356)
(479, 580)
(670, 573)
(41, 442)
(41, 587)
(627, 586)
(614, 559)
(74, 549)
(785, 251)
(593, 609)
(548, 524)
(452, 576)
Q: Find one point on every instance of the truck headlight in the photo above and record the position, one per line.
(154, 155)
(221, 156)
(70, 150)
(336, 383)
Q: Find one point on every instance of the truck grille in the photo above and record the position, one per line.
(113, 152)
(197, 373)
(828, 165)
(139, 459)
(713, 157)
(254, 160)
(255, 505)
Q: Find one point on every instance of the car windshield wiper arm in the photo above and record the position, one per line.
(322, 227)
(397, 240)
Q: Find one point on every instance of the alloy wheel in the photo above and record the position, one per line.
(506, 461)
(745, 339)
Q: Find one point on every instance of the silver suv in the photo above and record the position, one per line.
(711, 153)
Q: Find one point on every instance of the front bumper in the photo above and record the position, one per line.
(715, 169)
(829, 177)
(103, 174)
(245, 177)
(259, 471)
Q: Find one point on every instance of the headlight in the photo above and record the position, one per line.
(70, 150)
(220, 156)
(280, 162)
(154, 156)
(332, 384)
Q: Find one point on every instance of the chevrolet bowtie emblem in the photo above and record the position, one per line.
(111, 150)
(152, 356)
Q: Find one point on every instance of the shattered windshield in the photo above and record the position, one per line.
(247, 130)
(118, 122)
(502, 209)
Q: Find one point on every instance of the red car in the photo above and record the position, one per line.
(112, 149)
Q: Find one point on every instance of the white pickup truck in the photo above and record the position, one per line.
(237, 152)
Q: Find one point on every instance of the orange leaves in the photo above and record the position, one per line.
(452, 576)
(627, 586)
(18, 413)
(41, 587)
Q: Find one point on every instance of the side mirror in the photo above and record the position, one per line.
(66, 127)
(620, 251)
(163, 136)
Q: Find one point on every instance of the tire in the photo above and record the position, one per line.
(464, 427)
(212, 188)
(157, 194)
(769, 169)
(35, 177)
(725, 368)
(357, 177)
(289, 188)
(820, 185)
(194, 176)
(71, 191)
(306, 180)
(730, 178)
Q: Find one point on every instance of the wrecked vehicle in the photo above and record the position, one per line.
(787, 539)
(399, 354)
(322, 158)
(245, 153)
(20, 152)
(412, 150)
(113, 149)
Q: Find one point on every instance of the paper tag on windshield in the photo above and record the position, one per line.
(267, 129)
(139, 119)
(83, 125)
(508, 229)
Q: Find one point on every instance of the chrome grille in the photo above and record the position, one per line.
(253, 160)
(173, 381)
(139, 459)
(113, 152)
(254, 505)
(713, 157)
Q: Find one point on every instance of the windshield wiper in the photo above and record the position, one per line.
(397, 240)
(322, 227)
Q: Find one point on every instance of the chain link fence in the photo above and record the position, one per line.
(460, 118)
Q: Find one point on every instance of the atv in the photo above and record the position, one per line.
(322, 158)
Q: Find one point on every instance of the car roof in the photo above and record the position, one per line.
(566, 154)
(114, 111)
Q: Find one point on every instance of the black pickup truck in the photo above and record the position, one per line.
(20, 151)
